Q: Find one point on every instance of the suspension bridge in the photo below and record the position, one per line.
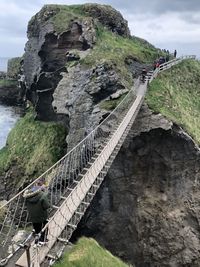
(72, 183)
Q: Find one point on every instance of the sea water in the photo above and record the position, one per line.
(3, 63)
(8, 118)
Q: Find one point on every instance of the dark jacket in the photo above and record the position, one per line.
(37, 204)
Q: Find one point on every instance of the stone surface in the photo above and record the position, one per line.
(47, 53)
(49, 50)
(79, 94)
(10, 95)
(109, 17)
(147, 210)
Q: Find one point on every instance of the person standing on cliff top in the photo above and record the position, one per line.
(175, 53)
(37, 205)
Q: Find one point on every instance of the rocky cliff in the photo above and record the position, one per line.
(54, 33)
(75, 59)
(147, 210)
(79, 62)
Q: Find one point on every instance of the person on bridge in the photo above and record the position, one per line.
(143, 74)
(37, 205)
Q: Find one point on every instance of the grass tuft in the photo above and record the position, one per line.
(88, 253)
(66, 14)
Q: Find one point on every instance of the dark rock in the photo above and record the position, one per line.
(104, 82)
(48, 51)
(72, 56)
(147, 210)
(10, 94)
(108, 17)
(79, 95)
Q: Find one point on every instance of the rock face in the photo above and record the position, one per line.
(49, 48)
(46, 56)
(9, 93)
(109, 17)
(83, 90)
(147, 210)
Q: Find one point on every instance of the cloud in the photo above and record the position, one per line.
(158, 21)
(155, 6)
(161, 28)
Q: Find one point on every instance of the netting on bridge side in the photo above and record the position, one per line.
(60, 179)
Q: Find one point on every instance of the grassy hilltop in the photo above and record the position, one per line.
(175, 94)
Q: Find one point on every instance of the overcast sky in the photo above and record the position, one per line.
(170, 24)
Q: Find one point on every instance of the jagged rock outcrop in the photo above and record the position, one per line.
(51, 44)
(83, 90)
(109, 17)
(147, 210)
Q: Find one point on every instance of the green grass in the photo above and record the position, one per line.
(115, 49)
(175, 94)
(88, 253)
(32, 147)
(66, 14)
(59, 15)
(7, 83)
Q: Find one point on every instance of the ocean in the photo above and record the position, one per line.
(3, 63)
(8, 115)
(8, 118)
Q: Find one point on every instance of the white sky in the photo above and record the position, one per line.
(169, 24)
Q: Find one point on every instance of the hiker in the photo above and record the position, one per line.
(155, 64)
(161, 60)
(37, 205)
(143, 74)
(175, 53)
(167, 57)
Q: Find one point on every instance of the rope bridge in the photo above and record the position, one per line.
(71, 184)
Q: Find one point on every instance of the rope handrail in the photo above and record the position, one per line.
(63, 178)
